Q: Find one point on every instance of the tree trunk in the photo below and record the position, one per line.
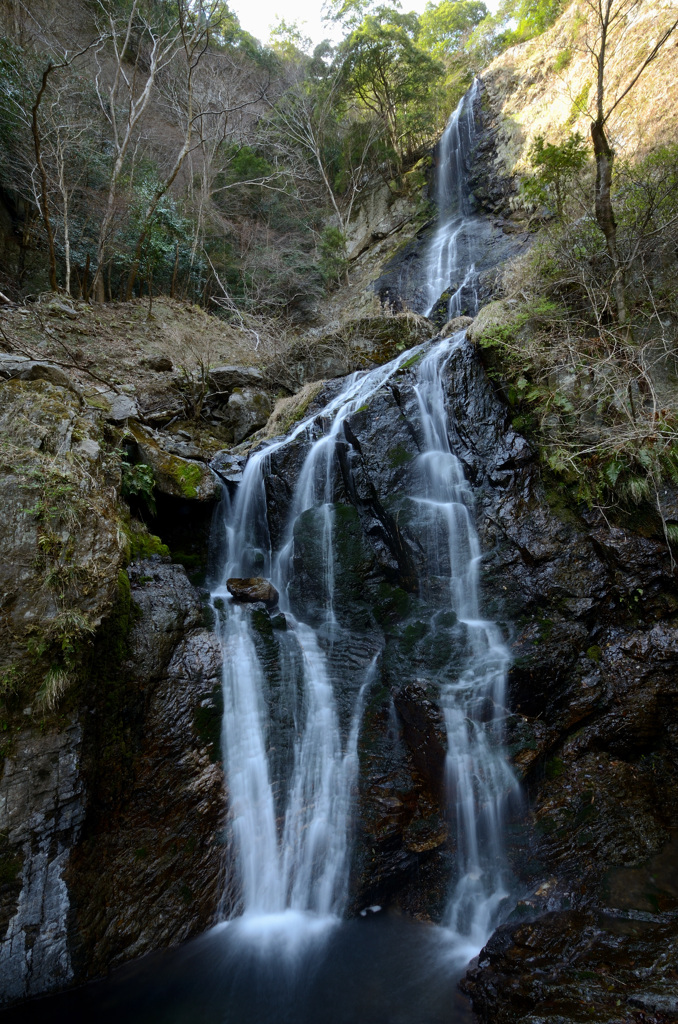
(85, 286)
(43, 181)
(605, 214)
(173, 285)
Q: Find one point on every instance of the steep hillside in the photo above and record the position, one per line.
(545, 86)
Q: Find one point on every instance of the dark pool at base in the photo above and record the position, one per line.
(382, 969)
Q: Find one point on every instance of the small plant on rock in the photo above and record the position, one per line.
(138, 482)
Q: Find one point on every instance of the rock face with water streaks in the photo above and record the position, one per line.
(589, 612)
(112, 824)
(145, 873)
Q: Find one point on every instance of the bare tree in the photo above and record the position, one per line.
(66, 61)
(303, 121)
(125, 94)
(195, 36)
(610, 23)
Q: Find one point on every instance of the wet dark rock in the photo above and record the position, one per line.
(591, 616)
(228, 467)
(424, 732)
(146, 870)
(252, 590)
(42, 806)
(579, 966)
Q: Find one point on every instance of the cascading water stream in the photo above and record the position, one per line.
(303, 866)
(292, 719)
(478, 777)
(292, 827)
(449, 267)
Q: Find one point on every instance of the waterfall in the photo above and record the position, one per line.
(450, 270)
(303, 865)
(291, 782)
(478, 776)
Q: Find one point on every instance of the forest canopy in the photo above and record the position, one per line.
(154, 145)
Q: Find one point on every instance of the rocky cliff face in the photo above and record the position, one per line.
(118, 804)
(589, 611)
(544, 87)
(108, 682)
(113, 832)
(126, 808)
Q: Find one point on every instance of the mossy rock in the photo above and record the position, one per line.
(291, 410)
(353, 567)
(174, 476)
(143, 543)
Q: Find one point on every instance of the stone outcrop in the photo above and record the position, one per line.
(542, 87)
(174, 476)
(252, 590)
(118, 844)
(62, 542)
(13, 367)
(147, 870)
(589, 611)
(42, 806)
(96, 684)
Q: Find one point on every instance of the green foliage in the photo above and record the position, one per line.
(562, 60)
(288, 40)
(143, 544)
(514, 21)
(333, 260)
(532, 17)
(446, 27)
(138, 482)
(579, 104)
(9, 681)
(246, 165)
(389, 74)
(59, 647)
(556, 167)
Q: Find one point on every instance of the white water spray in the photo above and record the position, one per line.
(292, 830)
(449, 268)
(479, 779)
(303, 865)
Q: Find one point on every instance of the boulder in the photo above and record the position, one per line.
(116, 407)
(225, 379)
(21, 368)
(254, 589)
(161, 364)
(174, 476)
(457, 323)
(247, 410)
(228, 467)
